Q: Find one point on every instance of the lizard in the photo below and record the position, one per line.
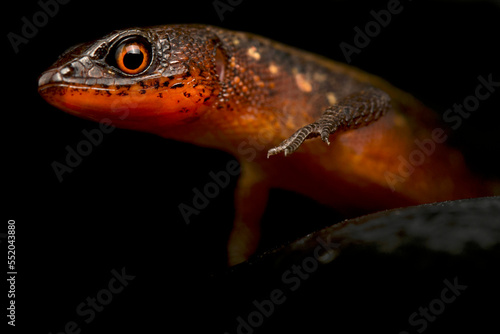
(376, 147)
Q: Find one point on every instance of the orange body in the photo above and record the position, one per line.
(245, 94)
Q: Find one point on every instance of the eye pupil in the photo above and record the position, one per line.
(131, 56)
(133, 59)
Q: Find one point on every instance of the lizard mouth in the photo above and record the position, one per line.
(152, 103)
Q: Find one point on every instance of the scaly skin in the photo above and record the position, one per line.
(245, 95)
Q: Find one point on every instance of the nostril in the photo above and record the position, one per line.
(67, 71)
(49, 77)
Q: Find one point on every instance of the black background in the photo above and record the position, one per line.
(119, 207)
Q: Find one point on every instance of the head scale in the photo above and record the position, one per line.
(140, 78)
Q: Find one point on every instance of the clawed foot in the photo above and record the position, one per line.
(353, 111)
(290, 145)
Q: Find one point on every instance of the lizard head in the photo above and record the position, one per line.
(141, 79)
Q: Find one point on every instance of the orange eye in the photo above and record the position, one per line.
(132, 57)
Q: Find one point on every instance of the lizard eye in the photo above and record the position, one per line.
(132, 55)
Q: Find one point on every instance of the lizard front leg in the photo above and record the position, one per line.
(353, 111)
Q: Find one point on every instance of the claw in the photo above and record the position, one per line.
(272, 151)
(324, 137)
(290, 145)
